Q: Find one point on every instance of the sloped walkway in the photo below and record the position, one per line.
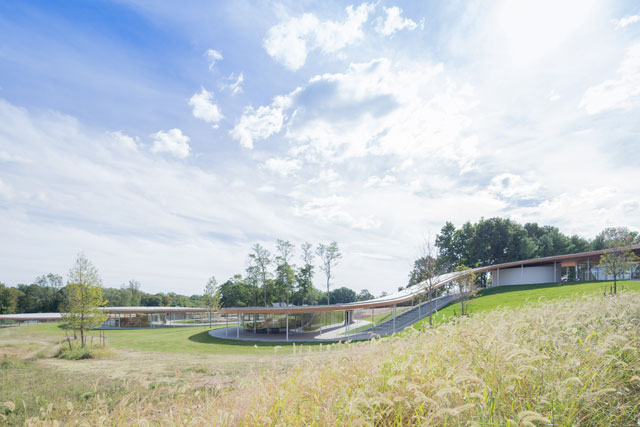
(337, 332)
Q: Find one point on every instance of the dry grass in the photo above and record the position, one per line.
(569, 362)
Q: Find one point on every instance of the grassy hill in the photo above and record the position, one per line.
(568, 358)
(521, 295)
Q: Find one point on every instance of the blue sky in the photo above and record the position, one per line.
(163, 139)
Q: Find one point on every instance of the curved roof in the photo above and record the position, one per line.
(395, 298)
(409, 293)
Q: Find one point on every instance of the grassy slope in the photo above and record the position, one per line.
(192, 340)
(196, 340)
(520, 295)
(568, 362)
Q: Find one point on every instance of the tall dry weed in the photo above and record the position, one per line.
(571, 362)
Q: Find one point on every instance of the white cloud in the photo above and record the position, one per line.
(289, 42)
(553, 96)
(334, 209)
(514, 187)
(282, 167)
(172, 142)
(375, 108)
(204, 108)
(6, 192)
(259, 124)
(627, 20)
(124, 141)
(235, 83)
(214, 56)
(622, 92)
(375, 181)
(394, 22)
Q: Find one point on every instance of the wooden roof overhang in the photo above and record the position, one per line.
(380, 302)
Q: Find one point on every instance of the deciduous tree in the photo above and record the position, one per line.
(211, 296)
(83, 297)
(330, 256)
(261, 259)
(467, 283)
(618, 257)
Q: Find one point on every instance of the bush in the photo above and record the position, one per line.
(76, 352)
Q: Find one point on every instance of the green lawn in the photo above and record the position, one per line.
(195, 340)
(518, 295)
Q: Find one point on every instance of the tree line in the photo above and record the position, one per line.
(275, 277)
(268, 278)
(499, 240)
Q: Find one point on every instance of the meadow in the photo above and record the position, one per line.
(569, 358)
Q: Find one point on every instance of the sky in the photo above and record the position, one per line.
(164, 139)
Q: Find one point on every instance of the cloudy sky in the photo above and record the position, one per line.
(163, 139)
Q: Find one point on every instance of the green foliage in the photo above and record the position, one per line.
(497, 240)
(330, 256)
(619, 257)
(8, 299)
(235, 292)
(78, 352)
(364, 295)
(83, 296)
(343, 295)
(467, 283)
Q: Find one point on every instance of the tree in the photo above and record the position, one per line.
(467, 283)
(430, 264)
(83, 297)
(136, 294)
(364, 295)
(329, 255)
(235, 292)
(285, 275)
(8, 299)
(304, 277)
(343, 295)
(618, 256)
(261, 259)
(212, 296)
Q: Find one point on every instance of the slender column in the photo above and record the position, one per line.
(522, 273)
(237, 326)
(348, 322)
(498, 276)
(226, 329)
(373, 325)
(286, 320)
(255, 322)
(555, 271)
(588, 270)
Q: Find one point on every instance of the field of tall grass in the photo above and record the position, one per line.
(566, 362)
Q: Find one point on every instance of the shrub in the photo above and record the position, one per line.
(77, 352)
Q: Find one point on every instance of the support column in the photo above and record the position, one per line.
(237, 326)
(286, 320)
(255, 322)
(522, 273)
(555, 271)
(373, 324)
(588, 269)
(498, 276)
(226, 329)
